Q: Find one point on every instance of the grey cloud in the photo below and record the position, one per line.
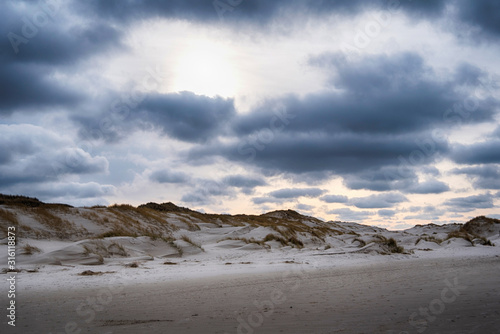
(382, 179)
(496, 133)
(334, 199)
(340, 153)
(470, 203)
(263, 200)
(482, 16)
(304, 207)
(383, 113)
(27, 69)
(379, 94)
(346, 214)
(386, 213)
(478, 153)
(425, 213)
(483, 177)
(430, 170)
(384, 200)
(184, 116)
(247, 184)
(73, 190)
(469, 74)
(187, 116)
(292, 193)
(29, 87)
(34, 155)
(168, 176)
(423, 216)
(208, 192)
(429, 187)
(243, 181)
(255, 11)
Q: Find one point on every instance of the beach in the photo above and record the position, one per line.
(440, 294)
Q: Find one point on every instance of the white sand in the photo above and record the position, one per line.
(338, 284)
(350, 293)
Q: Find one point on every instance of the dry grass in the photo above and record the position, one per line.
(362, 243)
(132, 265)
(116, 249)
(430, 239)
(95, 273)
(188, 240)
(30, 250)
(461, 234)
(273, 237)
(100, 249)
(117, 232)
(62, 227)
(393, 246)
(170, 263)
(9, 217)
(179, 249)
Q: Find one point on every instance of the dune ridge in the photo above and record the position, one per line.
(99, 235)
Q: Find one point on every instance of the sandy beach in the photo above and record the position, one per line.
(458, 294)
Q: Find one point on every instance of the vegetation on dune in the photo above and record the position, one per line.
(189, 241)
(160, 221)
(30, 250)
(429, 239)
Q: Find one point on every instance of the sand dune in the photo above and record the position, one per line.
(160, 268)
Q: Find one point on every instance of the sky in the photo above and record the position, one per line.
(380, 112)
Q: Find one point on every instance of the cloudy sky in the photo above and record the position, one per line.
(383, 112)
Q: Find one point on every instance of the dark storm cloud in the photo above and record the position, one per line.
(379, 201)
(38, 42)
(483, 177)
(483, 16)
(379, 94)
(479, 153)
(342, 153)
(375, 130)
(26, 87)
(187, 116)
(478, 15)
(293, 193)
(254, 11)
(470, 203)
(474, 19)
(184, 116)
(382, 179)
(334, 199)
